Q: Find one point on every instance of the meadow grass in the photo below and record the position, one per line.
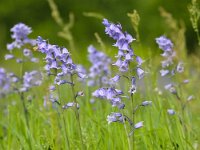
(160, 131)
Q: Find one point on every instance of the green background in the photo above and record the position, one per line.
(37, 14)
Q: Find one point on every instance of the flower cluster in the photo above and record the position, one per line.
(58, 59)
(100, 70)
(168, 53)
(21, 41)
(124, 58)
(59, 64)
(31, 79)
(4, 82)
(111, 94)
(20, 36)
(125, 52)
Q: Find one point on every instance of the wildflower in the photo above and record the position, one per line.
(139, 61)
(100, 93)
(31, 79)
(52, 88)
(20, 35)
(146, 103)
(171, 112)
(59, 59)
(167, 46)
(27, 52)
(171, 88)
(115, 78)
(9, 56)
(53, 99)
(70, 104)
(140, 73)
(110, 94)
(186, 81)
(164, 72)
(100, 68)
(191, 97)
(80, 93)
(133, 89)
(115, 117)
(138, 125)
(180, 67)
(123, 41)
(164, 43)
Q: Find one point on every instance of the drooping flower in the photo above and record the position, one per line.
(171, 112)
(70, 104)
(115, 117)
(164, 72)
(138, 125)
(180, 67)
(146, 103)
(9, 56)
(164, 43)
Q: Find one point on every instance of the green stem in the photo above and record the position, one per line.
(133, 120)
(127, 135)
(63, 118)
(76, 111)
(21, 94)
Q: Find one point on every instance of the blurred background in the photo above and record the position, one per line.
(37, 14)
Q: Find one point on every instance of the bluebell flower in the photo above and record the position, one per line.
(27, 53)
(171, 112)
(171, 88)
(164, 43)
(180, 67)
(99, 72)
(115, 117)
(139, 60)
(138, 125)
(31, 79)
(140, 73)
(110, 94)
(100, 93)
(52, 88)
(115, 79)
(123, 41)
(133, 86)
(59, 59)
(71, 104)
(9, 56)
(164, 72)
(146, 103)
(20, 36)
